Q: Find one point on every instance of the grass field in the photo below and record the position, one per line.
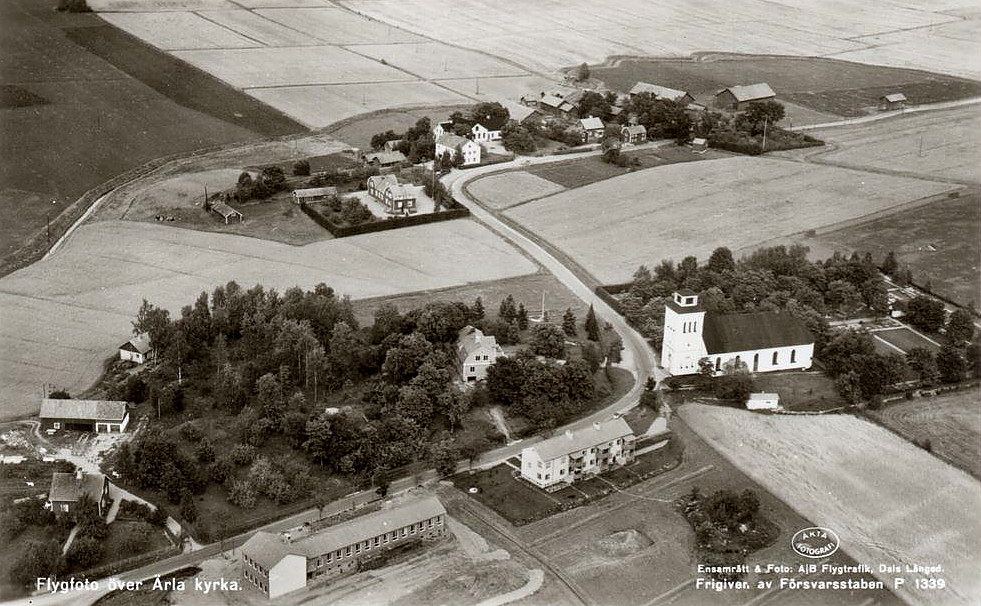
(550, 35)
(952, 423)
(941, 243)
(178, 30)
(902, 340)
(512, 187)
(900, 506)
(583, 171)
(64, 316)
(335, 25)
(826, 85)
(800, 390)
(357, 131)
(613, 226)
(943, 144)
(106, 103)
(449, 62)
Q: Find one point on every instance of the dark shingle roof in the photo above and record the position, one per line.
(86, 410)
(758, 330)
(492, 122)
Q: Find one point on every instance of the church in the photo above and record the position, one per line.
(765, 341)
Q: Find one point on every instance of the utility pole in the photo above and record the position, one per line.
(763, 149)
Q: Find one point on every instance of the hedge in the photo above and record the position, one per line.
(339, 231)
(609, 299)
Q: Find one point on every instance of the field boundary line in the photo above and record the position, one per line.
(890, 114)
(887, 343)
(671, 593)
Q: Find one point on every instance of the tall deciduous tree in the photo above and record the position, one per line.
(548, 340)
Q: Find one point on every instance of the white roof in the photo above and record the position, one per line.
(591, 123)
(551, 100)
(470, 339)
(140, 343)
(661, 92)
(763, 395)
(751, 92)
(87, 410)
(699, 141)
(381, 181)
(314, 191)
(894, 97)
(451, 140)
(635, 129)
(581, 439)
(518, 111)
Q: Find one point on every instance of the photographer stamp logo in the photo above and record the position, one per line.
(815, 542)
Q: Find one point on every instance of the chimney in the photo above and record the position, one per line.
(568, 433)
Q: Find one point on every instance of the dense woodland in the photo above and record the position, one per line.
(782, 279)
(266, 363)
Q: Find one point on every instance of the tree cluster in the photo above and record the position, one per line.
(416, 143)
(544, 392)
(269, 181)
(348, 210)
(663, 118)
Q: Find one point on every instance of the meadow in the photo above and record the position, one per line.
(952, 424)
(613, 226)
(64, 316)
(512, 187)
(900, 506)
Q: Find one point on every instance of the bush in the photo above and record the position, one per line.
(74, 6)
(301, 168)
(243, 454)
(242, 494)
(221, 471)
(85, 552)
(190, 432)
(205, 452)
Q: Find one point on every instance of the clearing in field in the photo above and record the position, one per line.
(551, 35)
(940, 144)
(266, 67)
(65, 315)
(951, 424)
(318, 106)
(940, 242)
(827, 86)
(613, 226)
(899, 506)
(510, 188)
(436, 60)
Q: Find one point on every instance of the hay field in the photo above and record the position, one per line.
(336, 26)
(889, 501)
(941, 144)
(264, 31)
(435, 60)
(265, 67)
(668, 212)
(317, 106)
(546, 35)
(952, 423)
(510, 188)
(178, 30)
(63, 316)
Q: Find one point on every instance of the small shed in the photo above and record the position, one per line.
(699, 145)
(136, 349)
(892, 101)
(226, 212)
(763, 401)
(313, 194)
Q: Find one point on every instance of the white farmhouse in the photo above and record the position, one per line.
(475, 352)
(488, 128)
(561, 460)
(765, 341)
(454, 144)
(137, 349)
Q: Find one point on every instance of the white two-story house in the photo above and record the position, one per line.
(475, 352)
(562, 460)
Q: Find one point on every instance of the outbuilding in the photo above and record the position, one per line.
(100, 416)
(699, 145)
(892, 101)
(226, 212)
(738, 97)
(313, 194)
(633, 133)
(137, 349)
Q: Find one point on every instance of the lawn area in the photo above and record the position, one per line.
(903, 339)
(810, 391)
(940, 241)
(583, 171)
(951, 423)
(14, 478)
(521, 503)
(114, 542)
(826, 85)
(146, 595)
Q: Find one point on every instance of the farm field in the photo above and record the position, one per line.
(335, 25)
(501, 87)
(65, 315)
(358, 130)
(512, 187)
(930, 505)
(178, 30)
(318, 106)
(941, 144)
(583, 171)
(435, 60)
(941, 242)
(551, 35)
(107, 103)
(951, 422)
(669, 212)
(828, 86)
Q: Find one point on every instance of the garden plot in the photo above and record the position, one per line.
(337, 26)
(936, 144)
(899, 506)
(256, 27)
(613, 226)
(268, 67)
(510, 188)
(178, 30)
(63, 316)
(551, 34)
(316, 106)
(436, 60)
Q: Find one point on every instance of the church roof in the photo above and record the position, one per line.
(729, 333)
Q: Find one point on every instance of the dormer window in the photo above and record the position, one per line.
(689, 300)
